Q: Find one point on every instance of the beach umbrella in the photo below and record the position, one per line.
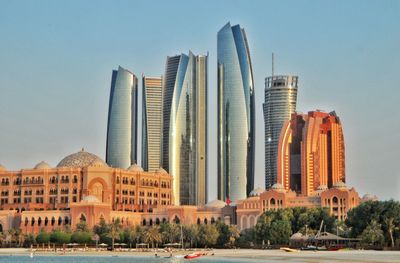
(122, 244)
(103, 245)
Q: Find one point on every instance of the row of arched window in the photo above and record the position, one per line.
(53, 221)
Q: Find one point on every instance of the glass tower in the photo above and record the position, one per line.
(185, 97)
(151, 123)
(235, 115)
(280, 103)
(122, 120)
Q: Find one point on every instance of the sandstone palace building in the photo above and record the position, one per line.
(84, 188)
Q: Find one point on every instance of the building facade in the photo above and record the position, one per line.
(151, 123)
(235, 115)
(311, 152)
(339, 200)
(121, 145)
(83, 188)
(280, 103)
(187, 127)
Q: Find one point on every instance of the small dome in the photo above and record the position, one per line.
(90, 199)
(278, 187)
(2, 168)
(82, 159)
(369, 197)
(161, 171)
(42, 165)
(256, 192)
(322, 188)
(339, 185)
(135, 168)
(216, 204)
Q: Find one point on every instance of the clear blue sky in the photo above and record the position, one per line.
(56, 59)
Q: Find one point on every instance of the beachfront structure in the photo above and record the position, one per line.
(235, 115)
(151, 123)
(184, 144)
(279, 104)
(311, 152)
(83, 188)
(121, 145)
(338, 200)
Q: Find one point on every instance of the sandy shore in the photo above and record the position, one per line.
(252, 254)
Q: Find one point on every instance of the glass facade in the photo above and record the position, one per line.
(235, 115)
(280, 103)
(122, 120)
(151, 123)
(187, 137)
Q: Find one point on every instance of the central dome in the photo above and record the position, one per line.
(82, 159)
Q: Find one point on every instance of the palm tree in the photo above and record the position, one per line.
(391, 227)
(133, 233)
(114, 231)
(152, 235)
(20, 237)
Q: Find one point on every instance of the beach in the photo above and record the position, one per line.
(232, 255)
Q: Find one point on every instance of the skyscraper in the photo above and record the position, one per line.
(311, 152)
(151, 123)
(122, 120)
(235, 115)
(280, 103)
(185, 127)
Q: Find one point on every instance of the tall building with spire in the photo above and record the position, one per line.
(236, 124)
(280, 103)
(185, 127)
(121, 145)
(151, 123)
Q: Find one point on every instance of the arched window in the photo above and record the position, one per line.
(157, 221)
(212, 220)
(144, 222)
(198, 221)
(59, 220)
(151, 222)
(177, 220)
(164, 220)
(26, 221)
(53, 221)
(205, 221)
(82, 218)
(66, 220)
(39, 221)
(46, 221)
(32, 221)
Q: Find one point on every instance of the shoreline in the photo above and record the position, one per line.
(250, 254)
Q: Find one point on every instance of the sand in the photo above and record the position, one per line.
(252, 254)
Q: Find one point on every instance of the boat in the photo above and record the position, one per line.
(288, 249)
(193, 255)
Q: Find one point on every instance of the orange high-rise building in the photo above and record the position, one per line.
(311, 152)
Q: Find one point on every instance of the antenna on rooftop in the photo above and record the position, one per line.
(273, 62)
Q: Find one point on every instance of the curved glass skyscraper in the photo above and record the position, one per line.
(280, 103)
(122, 120)
(185, 97)
(235, 115)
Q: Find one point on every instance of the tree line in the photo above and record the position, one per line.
(376, 223)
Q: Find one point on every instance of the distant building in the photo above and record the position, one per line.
(236, 124)
(311, 152)
(338, 200)
(184, 151)
(280, 103)
(81, 188)
(121, 146)
(151, 123)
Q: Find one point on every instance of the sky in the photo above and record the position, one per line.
(56, 59)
